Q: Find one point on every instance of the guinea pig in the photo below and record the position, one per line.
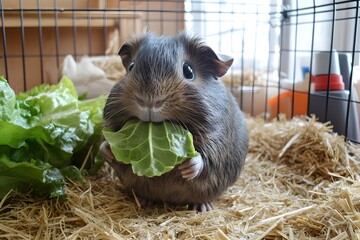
(176, 79)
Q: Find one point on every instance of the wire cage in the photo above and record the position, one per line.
(288, 55)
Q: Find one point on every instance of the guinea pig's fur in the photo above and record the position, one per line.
(202, 105)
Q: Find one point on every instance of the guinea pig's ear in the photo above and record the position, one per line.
(220, 63)
(223, 63)
(125, 54)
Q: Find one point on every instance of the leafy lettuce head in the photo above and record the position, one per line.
(45, 134)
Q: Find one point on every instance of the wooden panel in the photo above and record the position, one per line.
(45, 4)
(34, 76)
(160, 17)
(66, 19)
(123, 19)
(31, 4)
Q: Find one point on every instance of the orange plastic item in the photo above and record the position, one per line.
(321, 82)
(300, 104)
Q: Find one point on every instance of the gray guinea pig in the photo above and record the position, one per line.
(176, 79)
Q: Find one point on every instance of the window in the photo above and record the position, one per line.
(239, 29)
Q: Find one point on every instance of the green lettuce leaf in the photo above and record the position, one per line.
(38, 176)
(7, 100)
(48, 124)
(95, 107)
(151, 148)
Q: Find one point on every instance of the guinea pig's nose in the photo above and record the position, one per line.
(151, 104)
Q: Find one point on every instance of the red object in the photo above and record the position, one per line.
(321, 82)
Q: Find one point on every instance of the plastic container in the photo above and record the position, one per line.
(286, 105)
(321, 64)
(284, 101)
(330, 100)
(336, 112)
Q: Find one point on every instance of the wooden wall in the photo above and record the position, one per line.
(32, 60)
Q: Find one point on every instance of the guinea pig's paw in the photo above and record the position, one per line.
(192, 167)
(145, 202)
(203, 207)
(106, 151)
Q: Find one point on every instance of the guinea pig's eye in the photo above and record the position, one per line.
(131, 66)
(188, 71)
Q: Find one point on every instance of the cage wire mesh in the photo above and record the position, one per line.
(275, 45)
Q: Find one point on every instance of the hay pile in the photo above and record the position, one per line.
(112, 66)
(248, 78)
(299, 182)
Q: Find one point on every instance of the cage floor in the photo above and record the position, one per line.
(299, 182)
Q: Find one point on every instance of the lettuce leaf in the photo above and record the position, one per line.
(151, 148)
(7, 100)
(45, 180)
(47, 130)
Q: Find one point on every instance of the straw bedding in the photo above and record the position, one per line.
(299, 182)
